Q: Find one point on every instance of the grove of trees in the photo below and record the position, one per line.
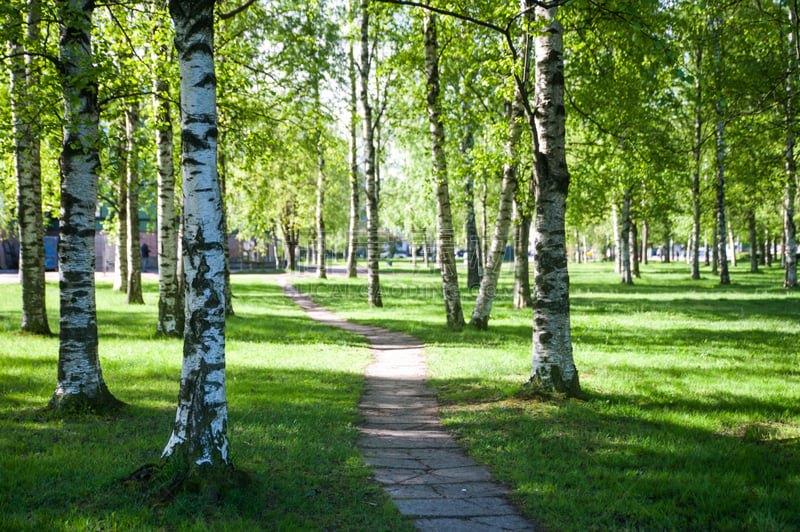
(609, 128)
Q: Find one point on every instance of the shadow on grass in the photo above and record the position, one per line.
(294, 431)
(610, 463)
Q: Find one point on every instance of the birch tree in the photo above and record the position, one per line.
(80, 379)
(199, 438)
(134, 280)
(373, 275)
(170, 320)
(553, 367)
(27, 152)
(445, 241)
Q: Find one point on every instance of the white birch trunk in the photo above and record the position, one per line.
(624, 239)
(199, 436)
(373, 252)
(24, 85)
(134, 252)
(552, 367)
(80, 380)
(121, 251)
(445, 241)
(169, 313)
(352, 241)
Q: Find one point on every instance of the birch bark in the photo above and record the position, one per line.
(170, 322)
(445, 241)
(552, 367)
(624, 239)
(121, 251)
(199, 437)
(134, 280)
(352, 241)
(373, 251)
(80, 380)
(790, 188)
(24, 82)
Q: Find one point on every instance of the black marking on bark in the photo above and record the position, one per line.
(209, 80)
(197, 48)
(192, 142)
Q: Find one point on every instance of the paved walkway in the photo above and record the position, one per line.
(419, 464)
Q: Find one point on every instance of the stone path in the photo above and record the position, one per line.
(419, 464)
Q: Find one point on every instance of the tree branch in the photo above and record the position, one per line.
(233, 12)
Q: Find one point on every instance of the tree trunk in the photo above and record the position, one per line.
(645, 243)
(373, 251)
(474, 262)
(715, 248)
(484, 226)
(697, 154)
(617, 239)
(80, 380)
(790, 192)
(199, 437)
(624, 239)
(724, 276)
(634, 249)
(751, 229)
(24, 84)
(169, 313)
(768, 252)
(552, 367)
(134, 250)
(121, 252)
(226, 252)
(522, 234)
(732, 240)
(445, 241)
(320, 218)
(352, 251)
(488, 289)
(425, 256)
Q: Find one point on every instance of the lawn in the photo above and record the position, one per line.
(690, 418)
(293, 388)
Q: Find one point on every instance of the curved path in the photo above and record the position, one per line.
(419, 464)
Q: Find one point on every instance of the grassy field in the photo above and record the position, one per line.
(293, 388)
(691, 413)
(690, 419)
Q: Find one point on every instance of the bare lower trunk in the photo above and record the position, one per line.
(645, 244)
(134, 252)
(80, 381)
(751, 230)
(445, 240)
(789, 227)
(199, 436)
(488, 289)
(425, 257)
(352, 241)
(169, 313)
(624, 239)
(715, 248)
(617, 242)
(552, 367)
(697, 153)
(121, 252)
(373, 251)
(634, 249)
(522, 284)
(732, 241)
(24, 84)
(226, 252)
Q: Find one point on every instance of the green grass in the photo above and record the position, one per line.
(691, 414)
(293, 388)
